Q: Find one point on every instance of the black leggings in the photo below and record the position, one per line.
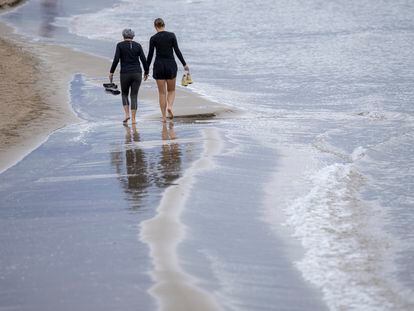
(133, 81)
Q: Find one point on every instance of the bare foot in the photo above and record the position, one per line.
(133, 121)
(170, 113)
(164, 120)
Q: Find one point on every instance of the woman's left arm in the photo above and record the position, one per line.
(178, 52)
(150, 52)
(144, 62)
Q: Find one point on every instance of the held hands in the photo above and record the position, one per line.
(186, 68)
(145, 77)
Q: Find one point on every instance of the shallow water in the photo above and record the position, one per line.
(71, 234)
(327, 87)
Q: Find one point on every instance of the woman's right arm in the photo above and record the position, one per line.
(115, 62)
(150, 52)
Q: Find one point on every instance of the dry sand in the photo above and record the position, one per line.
(4, 4)
(30, 105)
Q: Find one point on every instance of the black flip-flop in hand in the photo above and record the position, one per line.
(111, 88)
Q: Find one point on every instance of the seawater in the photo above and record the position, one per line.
(327, 84)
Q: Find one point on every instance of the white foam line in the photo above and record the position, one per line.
(174, 288)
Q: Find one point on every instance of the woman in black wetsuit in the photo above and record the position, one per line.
(129, 52)
(165, 67)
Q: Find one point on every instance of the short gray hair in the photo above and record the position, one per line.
(128, 33)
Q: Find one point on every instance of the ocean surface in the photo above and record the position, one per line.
(310, 203)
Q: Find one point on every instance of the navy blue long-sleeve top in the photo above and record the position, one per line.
(165, 43)
(129, 53)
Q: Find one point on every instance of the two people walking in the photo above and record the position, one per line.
(130, 53)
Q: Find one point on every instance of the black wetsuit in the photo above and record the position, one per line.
(165, 67)
(130, 52)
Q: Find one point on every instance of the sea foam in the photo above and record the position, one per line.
(346, 250)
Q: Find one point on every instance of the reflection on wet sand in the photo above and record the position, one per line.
(49, 11)
(134, 177)
(170, 162)
(139, 171)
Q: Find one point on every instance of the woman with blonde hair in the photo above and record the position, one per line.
(165, 67)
